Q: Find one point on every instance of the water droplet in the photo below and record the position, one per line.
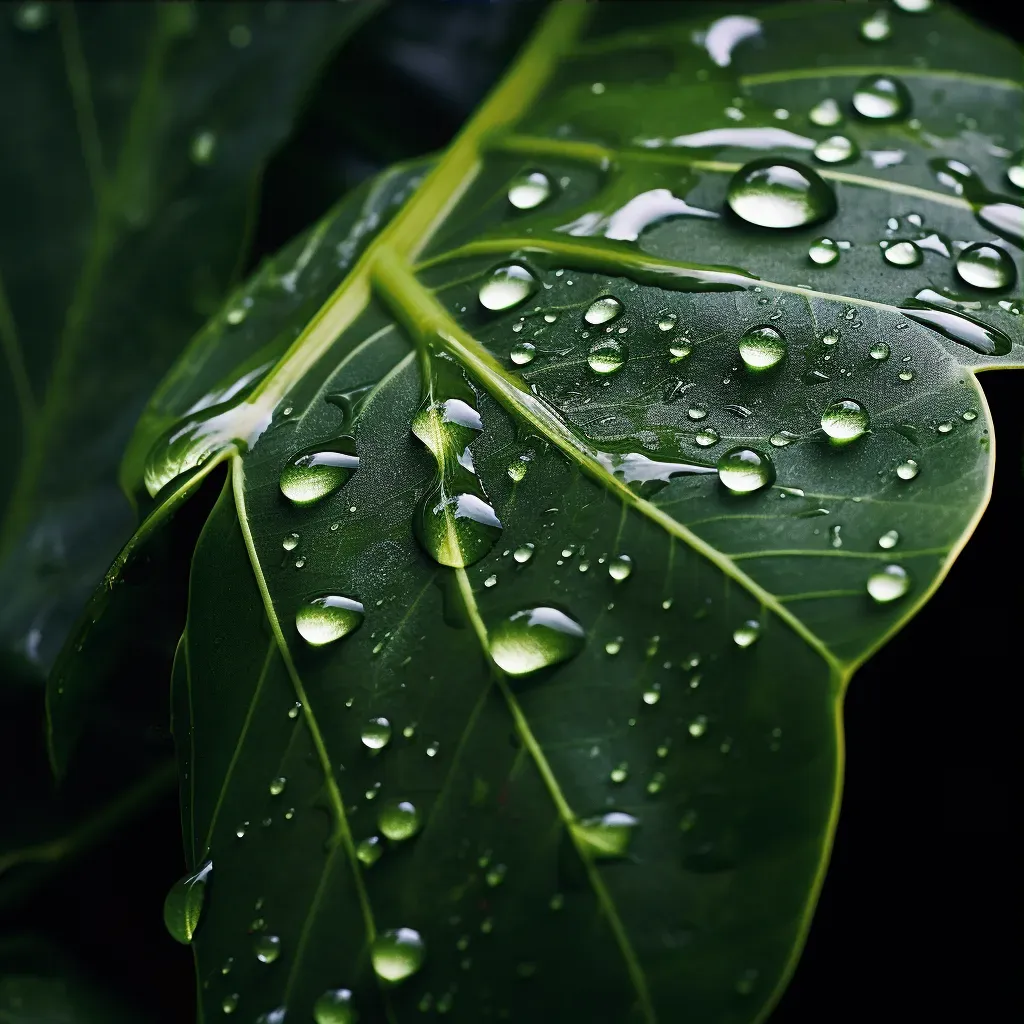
(529, 190)
(290, 541)
(698, 726)
(902, 254)
(823, 251)
(603, 310)
(986, 266)
(620, 567)
(945, 428)
(235, 316)
(914, 6)
(876, 28)
(496, 875)
(184, 904)
(881, 98)
(432, 748)
(607, 355)
(533, 639)
(780, 194)
(397, 953)
(782, 438)
(315, 473)
(888, 540)
(706, 438)
(888, 583)
(969, 416)
(376, 733)
(33, 16)
(696, 412)
(202, 148)
(523, 553)
(679, 350)
(762, 348)
(398, 819)
(836, 149)
(606, 836)
(369, 850)
(517, 470)
(277, 785)
(958, 327)
(845, 420)
(747, 634)
(879, 351)
(907, 470)
(335, 1007)
(826, 114)
(906, 374)
(229, 1003)
(652, 695)
(506, 287)
(322, 620)
(744, 470)
(667, 322)
(830, 338)
(491, 581)
(613, 646)
(1015, 172)
(267, 948)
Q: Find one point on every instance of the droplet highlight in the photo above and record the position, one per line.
(534, 639)
(184, 904)
(327, 618)
(315, 473)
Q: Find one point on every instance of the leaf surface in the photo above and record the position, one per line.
(600, 686)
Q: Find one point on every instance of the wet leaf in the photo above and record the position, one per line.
(630, 465)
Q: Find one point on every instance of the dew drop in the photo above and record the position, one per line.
(747, 634)
(698, 726)
(517, 470)
(823, 251)
(335, 1007)
(906, 374)
(290, 541)
(779, 194)
(607, 355)
(32, 16)
(506, 287)
(606, 836)
(907, 470)
(315, 473)
(202, 147)
(376, 733)
(529, 190)
(267, 948)
(879, 351)
(836, 149)
(613, 647)
(881, 98)
(782, 438)
(696, 412)
(277, 785)
(743, 470)
(679, 350)
(652, 695)
(902, 254)
(491, 581)
(398, 819)
(888, 540)
(986, 266)
(397, 953)
(523, 553)
(762, 348)
(523, 353)
(229, 1003)
(184, 904)
(620, 567)
(876, 28)
(888, 583)
(667, 322)
(322, 620)
(706, 438)
(969, 415)
(845, 420)
(534, 638)
(826, 114)
(369, 850)
(830, 338)
(1015, 172)
(603, 310)
(914, 6)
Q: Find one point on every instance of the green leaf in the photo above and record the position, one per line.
(134, 137)
(539, 706)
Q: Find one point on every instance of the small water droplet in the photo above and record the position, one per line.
(986, 266)
(202, 147)
(697, 412)
(335, 1007)
(906, 374)
(836, 149)
(613, 646)
(376, 733)
(826, 114)
(907, 470)
(823, 251)
(619, 773)
(506, 287)
(969, 416)
(620, 567)
(529, 190)
(888, 583)
(496, 875)
(184, 904)
(743, 470)
(945, 428)
(679, 350)
(902, 254)
(267, 948)
(534, 638)
(706, 438)
(523, 553)
(876, 28)
(398, 819)
(432, 748)
(397, 953)
(698, 726)
(491, 581)
(277, 785)
(517, 470)
(322, 620)
(605, 836)
(762, 348)
(32, 16)
(603, 310)
(667, 322)
(845, 420)
(881, 98)
(523, 353)
(607, 355)
(652, 694)
(782, 438)
(290, 541)
(747, 634)
(775, 193)
(229, 1003)
(317, 472)
(888, 540)
(1015, 172)
(369, 850)
(879, 351)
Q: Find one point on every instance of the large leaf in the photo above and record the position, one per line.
(611, 683)
(134, 135)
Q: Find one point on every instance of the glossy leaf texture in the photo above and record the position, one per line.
(133, 138)
(535, 711)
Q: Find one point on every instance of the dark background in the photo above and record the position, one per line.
(920, 914)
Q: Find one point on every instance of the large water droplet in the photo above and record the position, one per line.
(902, 254)
(523, 553)
(888, 540)
(881, 98)
(369, 850)
(986, 266)
(836, 149)
(1015, 172)
(506, 287)
(762, 348)
(202, 147)
(335, 1007)
(533, 639)
(376, 733)
(845, 420)
(888, 583)
(706, 438)
(603, 310)
(184, 904)
(823, 251)
(744, 470)
(322, 620)
(607, 355)
(747, 634)
(33, 15)
(907, 470)
(523, 353)
(826, 114)
(529, 190)
(879, 351)
(914, 6)
(620, 567)
(399, 819)
(961, 328)
(876, 28)
(397, 953)
(317, 472)
(780, 194)
(267, 948)
(606, 836)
